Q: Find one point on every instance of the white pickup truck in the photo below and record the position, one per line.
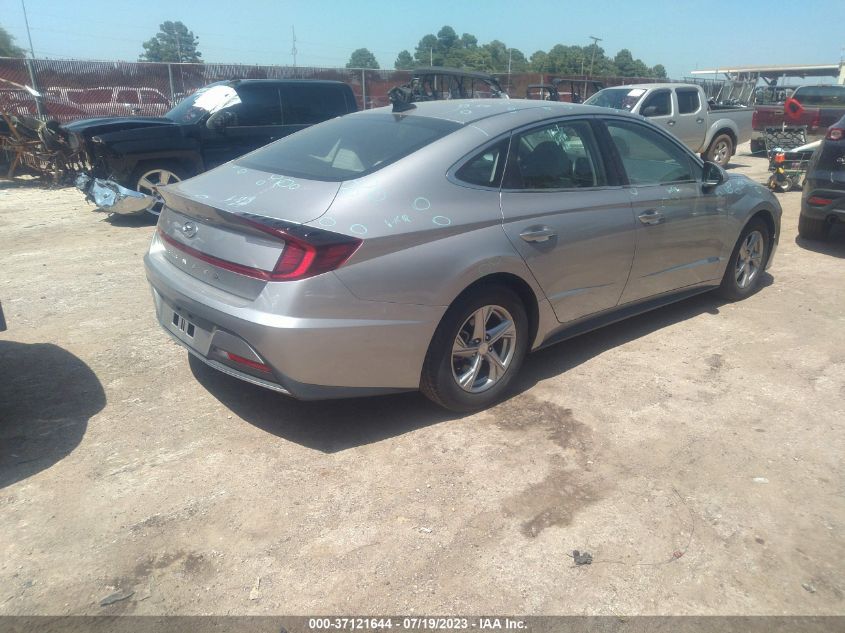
(713, 131)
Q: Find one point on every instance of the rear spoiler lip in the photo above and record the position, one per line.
(258, 225)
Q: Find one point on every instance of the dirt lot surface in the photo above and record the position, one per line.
(695, 452)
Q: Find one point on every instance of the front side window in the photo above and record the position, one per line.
(260, 105)
(658, 103)
(688, 101)
(151, 96)
(617, 98)
(348, 147)
(648, 157)
(562, 155)
(203, 102)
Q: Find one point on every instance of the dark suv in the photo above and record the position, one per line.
(823, 200)
(212, 126)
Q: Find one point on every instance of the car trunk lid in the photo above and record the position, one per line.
(237, 229)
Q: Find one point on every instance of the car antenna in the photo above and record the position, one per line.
(401, 97)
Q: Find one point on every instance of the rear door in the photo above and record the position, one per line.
(568, 217)
(680, 241)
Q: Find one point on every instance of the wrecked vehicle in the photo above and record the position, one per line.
(562, 89)
(435, 83)
(210, 127)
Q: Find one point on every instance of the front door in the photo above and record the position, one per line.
(680, 241)
(257, 121)
(691, 125)
(568, 217)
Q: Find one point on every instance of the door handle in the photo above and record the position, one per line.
(652, 216)
(670, 123)
(538, 234)
(699, 120)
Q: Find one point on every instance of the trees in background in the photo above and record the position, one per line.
(446, 48)
(362, 58)
(173, 43)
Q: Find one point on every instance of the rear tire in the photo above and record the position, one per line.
(757, 146)
(720, 151)
(812, 228)
(470, 364)
(747, 263)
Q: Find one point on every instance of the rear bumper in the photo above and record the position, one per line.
(310, 339)
(834, 211)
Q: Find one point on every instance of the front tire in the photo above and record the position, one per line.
(477, 349)
(720, 151)
(147, 178)
(744, 272)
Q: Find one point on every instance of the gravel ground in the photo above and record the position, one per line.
(695, 452)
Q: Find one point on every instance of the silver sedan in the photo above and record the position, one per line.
(433, 248)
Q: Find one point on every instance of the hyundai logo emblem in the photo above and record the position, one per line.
(189, 229)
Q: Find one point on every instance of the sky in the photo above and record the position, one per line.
(682, 35)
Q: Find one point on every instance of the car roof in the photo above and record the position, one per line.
(470, 111)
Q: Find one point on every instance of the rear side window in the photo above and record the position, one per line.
(303, 104)
(820, 95)
(348, 147)
(658, 103)
(486, 168)
(647, 156)
(96, 95)
(688, 101)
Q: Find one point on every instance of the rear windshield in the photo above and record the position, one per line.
(616, 98)
(348, 147)
(820, 95)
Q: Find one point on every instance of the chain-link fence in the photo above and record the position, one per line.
(72, 89)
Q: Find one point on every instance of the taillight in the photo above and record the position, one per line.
(818, 201)
(307, 251)
(249, 363)
(835, 133)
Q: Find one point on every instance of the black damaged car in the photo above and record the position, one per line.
(214, 125)
(823, 200)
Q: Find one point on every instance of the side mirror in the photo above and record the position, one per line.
(649, 111)
(713, 175)
(220, 120)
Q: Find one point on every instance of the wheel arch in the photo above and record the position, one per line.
(522, 289)
(768, 218)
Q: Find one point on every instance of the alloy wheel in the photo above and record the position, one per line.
(150, 181)
(483, 349)
(750, 259)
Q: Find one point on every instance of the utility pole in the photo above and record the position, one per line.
(28, 35)
(510, 57)
(39, 106)
(431, 57)
(293, 48)
(596, 40)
